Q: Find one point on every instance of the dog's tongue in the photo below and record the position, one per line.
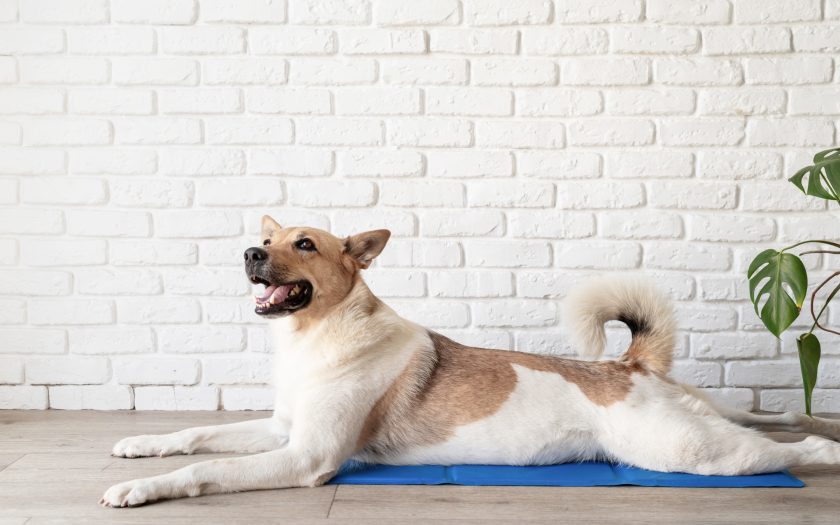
(268, 291)
(278, 293)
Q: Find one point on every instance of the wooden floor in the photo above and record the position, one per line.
(55, 465)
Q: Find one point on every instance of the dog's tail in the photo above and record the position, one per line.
(636, 303)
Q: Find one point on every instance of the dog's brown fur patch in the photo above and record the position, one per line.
(450, 384)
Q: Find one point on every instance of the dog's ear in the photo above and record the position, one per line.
(269, 226)
(364, 247)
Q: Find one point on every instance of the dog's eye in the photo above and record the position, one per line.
(305, 244)
(266, 242)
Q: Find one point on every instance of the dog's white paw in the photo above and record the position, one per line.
(145, 446)
(128, 494)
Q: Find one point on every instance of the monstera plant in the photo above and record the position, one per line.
(779, 282)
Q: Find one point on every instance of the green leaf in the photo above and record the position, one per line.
(768, 275)
(809, 360)
(826, 154)
(823, 177)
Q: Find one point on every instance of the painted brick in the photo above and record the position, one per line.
(464, 223)
(712, 196)
(72, 370)
(348, 12)
(565, 40)
(156, 371)
(91, 397)
(743, 102)
(298, 162)
(772, 11)
(508, 254)
(520, 134)
(253, 70)
(430, 133)
(558, 103)
(243, 11)
(605, 72)
(551, 224)
(117, 282)
(408, 13)
(597, 12)
(24, 397)
(599, 195)
(111, 41)
(474, 42)
(77, 252)
(330, 71)
(343, 132)
(163, 12)
(511, 194)
(424, 71)
(467, 101)
(641, 225)
(292, 41)
(99, 223)
(156, 72)
(789, 70)
(558, 164)
(469, 164)
(683, 256)
(31, 41)
(158, 310)
(64, 11)
(377, 163)
(289, 101)
(746, 39)
(377, 101)
(64, 70)
(202, 40)
(698, 72)
(152, 193)
(816, 38)
(652, 40)
(688, 12)
(106, 341)
(33, 221)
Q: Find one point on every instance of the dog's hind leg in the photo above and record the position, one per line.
(258, 435)
(782, 422)
(673, 440)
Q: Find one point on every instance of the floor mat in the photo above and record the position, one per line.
(589, 474)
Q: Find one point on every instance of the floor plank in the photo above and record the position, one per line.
(54, 466)
(8, 459)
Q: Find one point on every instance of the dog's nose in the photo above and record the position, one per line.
(253, 255)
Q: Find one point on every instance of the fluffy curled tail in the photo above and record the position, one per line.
(636, 303)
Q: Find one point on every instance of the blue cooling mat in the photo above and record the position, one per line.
(590, 474)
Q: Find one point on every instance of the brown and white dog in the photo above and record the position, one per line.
(355, 380)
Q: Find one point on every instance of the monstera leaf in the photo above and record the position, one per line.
(823, 177)
(809, 360)
(778, 282)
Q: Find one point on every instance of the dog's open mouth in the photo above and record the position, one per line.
(281, 298)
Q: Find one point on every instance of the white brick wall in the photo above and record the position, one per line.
(512, 146)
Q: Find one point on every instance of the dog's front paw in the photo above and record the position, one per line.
(128, 494)
(145, 446)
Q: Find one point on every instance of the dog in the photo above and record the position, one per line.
(354, 380)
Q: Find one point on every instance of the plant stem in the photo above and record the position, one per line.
(827, 301)
(834, 244)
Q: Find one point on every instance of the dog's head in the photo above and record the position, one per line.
(307, 268)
